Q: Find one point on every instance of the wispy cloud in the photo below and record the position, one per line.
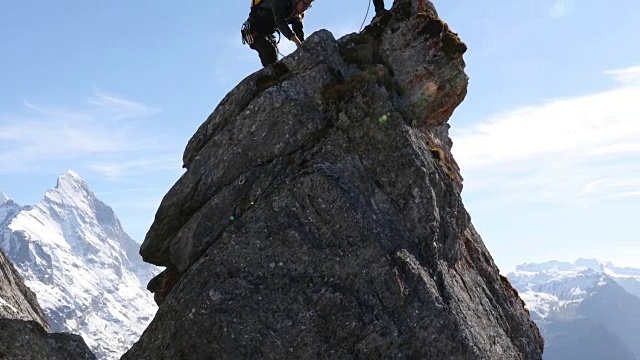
(115, 170)
(120, 108)
(560, 8)
(630, 75)
(43, 135)
(581, 149)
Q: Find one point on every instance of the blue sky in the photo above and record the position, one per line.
(548, 138)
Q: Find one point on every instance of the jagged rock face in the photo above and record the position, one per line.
(17, 301)
(73, 253)
(27, 340)
(320, 215)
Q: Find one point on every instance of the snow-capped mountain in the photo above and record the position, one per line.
(7, 209)
(85, 270)
(586, 310)
(558, 286)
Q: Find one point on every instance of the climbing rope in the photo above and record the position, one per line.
(365, 16)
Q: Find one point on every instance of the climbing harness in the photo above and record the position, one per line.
(247, 36)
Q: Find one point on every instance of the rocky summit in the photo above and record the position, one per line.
(320, 215)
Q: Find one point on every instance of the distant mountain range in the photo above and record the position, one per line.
(587, 310)
(84, 269)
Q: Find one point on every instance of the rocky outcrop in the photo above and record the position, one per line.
(23, 326)
(17, 301)
(320, 214)
(27, 340)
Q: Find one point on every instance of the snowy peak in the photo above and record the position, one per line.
(73, 203)
(85, 270)
(560, 266)
(548, 294)
(72, 181)
(555, 268)
(590, 264)
(8, 209)
(3, 198)
(71, 190)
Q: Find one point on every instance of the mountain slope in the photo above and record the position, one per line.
(618, 311)
(628, 278)
(74, 254)
(582, 339)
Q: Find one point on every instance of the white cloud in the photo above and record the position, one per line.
(630, 75)
(578, 150)
(605, 122)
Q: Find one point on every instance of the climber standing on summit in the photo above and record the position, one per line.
(268, 17)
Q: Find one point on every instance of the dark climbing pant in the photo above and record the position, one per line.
(267, 48)
(378, 5)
